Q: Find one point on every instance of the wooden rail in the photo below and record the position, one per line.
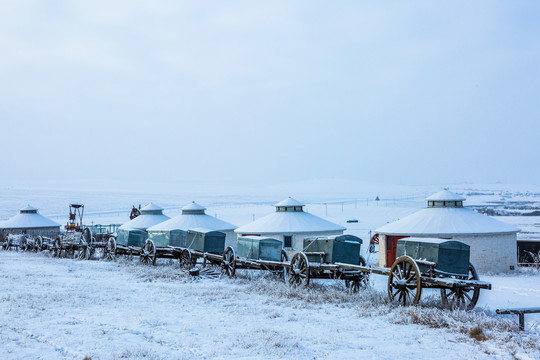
(520, 312)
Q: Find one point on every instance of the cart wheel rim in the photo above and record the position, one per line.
(185, 259)
(110, 249)
(404, 281)
(148, 253)
(228, 266)
(462, 297)
(299, 270)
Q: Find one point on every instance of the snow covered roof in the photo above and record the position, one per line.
(289, 222)
(289, 202)
(151, 208)
(202, 230)
(446, 221)
(151, 215)
(28, 218)
(193, 206)
(445, 195)
(28, 209)
(428, 240)
(191, 221)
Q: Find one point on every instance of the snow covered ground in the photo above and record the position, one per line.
(61, 308)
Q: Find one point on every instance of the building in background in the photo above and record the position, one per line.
(193, 216)
(493, 243)
(29, 222)
(291, 224)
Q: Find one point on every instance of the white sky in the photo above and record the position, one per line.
(244, 92)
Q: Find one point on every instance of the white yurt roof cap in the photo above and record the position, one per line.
(29, 208)
(289, 202)
(152, 207)
(445, 195)
(193, 206)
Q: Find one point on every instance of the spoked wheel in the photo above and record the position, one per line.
(228, 266)
(84, 250)
(299, 271)
(148, 253)
(23, 245)
(56, 250)
(462, 297)
(186, 259)
(283, 272)
(38, 244)
(109, 252)
(359, 281)
(404, 283)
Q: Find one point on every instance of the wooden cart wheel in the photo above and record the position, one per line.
(228, 266)
(404, 282)
(299, 271)
(23, 245)
(464, 297)
(359, 281)
(84, 250)
(38, 244)
(57, 247)
(148, 253)
(109, 252)
(186, 259)
(284, 259)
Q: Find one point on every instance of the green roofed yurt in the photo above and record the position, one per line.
(133, 233)
(290, 224)
(173, 232)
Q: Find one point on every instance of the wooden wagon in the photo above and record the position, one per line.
(202, 244)
(21, 242)
(256, 253)
(422, 263)
(126, 242)
(329, 257)
(82, 245)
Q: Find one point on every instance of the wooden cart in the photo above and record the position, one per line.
(452, 274)
(256, 253)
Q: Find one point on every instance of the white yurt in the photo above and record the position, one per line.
(493, 243)
(30, 222)
(151, 215)
(193, 216)
(291, 224)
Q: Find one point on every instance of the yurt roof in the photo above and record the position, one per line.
(445, 195)
(446, 221)
(26, 220)
(289, 222)
(151, 207)
(28, 208)
(145, 220)
(193, 206)
(289, 202)
(190, 221)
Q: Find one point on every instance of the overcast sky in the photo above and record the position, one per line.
(110, 92)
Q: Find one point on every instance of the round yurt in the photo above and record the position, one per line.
(493, 244)
(151, 215)
(173, 231)
(290, 224)
(29, 222)
(133, 233)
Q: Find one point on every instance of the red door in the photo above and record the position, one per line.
(391, 245)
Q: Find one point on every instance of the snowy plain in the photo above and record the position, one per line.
(63, 308)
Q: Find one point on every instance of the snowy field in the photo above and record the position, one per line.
(62, 308)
